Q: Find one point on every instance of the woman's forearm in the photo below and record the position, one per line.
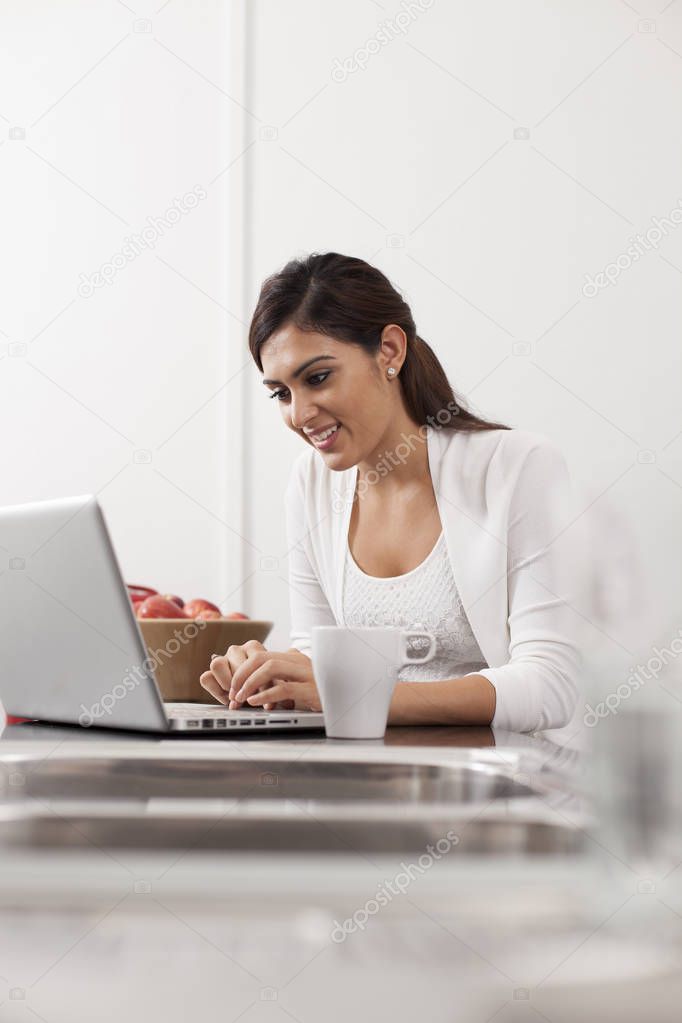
(469, 700)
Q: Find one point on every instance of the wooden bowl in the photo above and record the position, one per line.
(183, 653)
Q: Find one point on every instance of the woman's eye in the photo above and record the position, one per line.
(316, 379)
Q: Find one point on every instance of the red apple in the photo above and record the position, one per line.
(207, 615)
(176, 600)
(158, 607)
(237, 615)
(193, 607)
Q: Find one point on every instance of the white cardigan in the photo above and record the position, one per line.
(505, 503)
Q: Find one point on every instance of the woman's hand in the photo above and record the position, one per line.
(218, 679)
(252, 676)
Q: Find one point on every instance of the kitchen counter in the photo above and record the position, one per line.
(43, 736)
(40, 742)
(519, 756)
(565, 936)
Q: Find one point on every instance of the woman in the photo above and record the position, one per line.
(407, 509)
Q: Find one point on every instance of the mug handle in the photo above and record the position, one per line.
(409, 634)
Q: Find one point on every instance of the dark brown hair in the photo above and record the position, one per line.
(348, 300)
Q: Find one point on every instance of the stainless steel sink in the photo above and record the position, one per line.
(260, 804)
(141, 779)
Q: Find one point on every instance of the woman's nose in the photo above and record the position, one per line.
(301, 413)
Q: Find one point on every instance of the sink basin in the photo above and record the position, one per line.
(260, 804)
(141, 779)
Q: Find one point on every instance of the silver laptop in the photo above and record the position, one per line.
(71, 650)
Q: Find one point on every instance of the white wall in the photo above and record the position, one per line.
(121, 116)
(413, 163)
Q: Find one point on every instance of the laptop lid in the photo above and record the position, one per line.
(71, 647)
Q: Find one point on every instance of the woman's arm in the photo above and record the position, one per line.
(307, 602)
(538, 686)
(287, 677)
(455, 701)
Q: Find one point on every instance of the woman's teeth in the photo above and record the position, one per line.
(327, 433)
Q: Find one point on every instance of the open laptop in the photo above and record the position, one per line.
(71, 650)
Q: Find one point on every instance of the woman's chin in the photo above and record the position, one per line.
(337, 462)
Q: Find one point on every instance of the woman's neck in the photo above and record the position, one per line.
(399, 462)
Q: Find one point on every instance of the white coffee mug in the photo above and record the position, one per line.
(356, 671)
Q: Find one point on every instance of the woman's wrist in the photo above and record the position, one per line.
(469, 700)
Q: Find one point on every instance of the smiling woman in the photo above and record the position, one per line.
(409, 510)
(342, 310)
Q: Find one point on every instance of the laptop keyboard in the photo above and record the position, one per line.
(198, 710)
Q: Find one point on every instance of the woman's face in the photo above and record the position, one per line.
(343, 387)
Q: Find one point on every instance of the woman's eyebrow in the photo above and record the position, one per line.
(297, 372)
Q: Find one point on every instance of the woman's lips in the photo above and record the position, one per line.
(325, 445)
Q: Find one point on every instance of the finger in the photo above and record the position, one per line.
(235, 704)
(221, 671)
(280, 691)
(212, 686)
(249, 656)
(282, 705)
(224, 667)
(252, 644)
(237, 653)
(272, 669)
(256, 659)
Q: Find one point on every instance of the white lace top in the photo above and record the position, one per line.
(425, 598)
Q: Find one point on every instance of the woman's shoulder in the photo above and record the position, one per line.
(488, 470)
(496, 453)
(507, 449)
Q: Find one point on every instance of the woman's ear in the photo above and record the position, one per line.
(393, 347)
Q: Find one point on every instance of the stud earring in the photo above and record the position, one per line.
(391, 370)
